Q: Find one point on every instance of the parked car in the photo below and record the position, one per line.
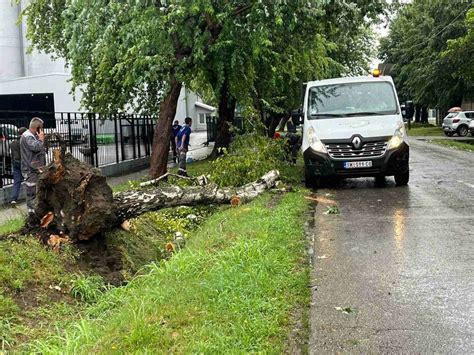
(8, 133)
(471, 127)
(457, 122)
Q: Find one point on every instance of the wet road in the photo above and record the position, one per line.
(394, 270)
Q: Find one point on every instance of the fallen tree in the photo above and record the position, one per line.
(74, 199)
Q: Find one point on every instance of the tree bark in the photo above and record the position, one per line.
(162, 134)
(417, 113)
(134, 203)
(424, 114)
(226, 112)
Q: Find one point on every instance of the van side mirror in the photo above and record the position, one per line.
(297, 117)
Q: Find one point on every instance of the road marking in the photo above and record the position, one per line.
(469, 185)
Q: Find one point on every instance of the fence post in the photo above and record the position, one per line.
(139, 140)
(133, 136)
(122, 148)
(68, 129)
(116, 138)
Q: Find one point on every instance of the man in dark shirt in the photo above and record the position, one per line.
(182, 142)
(176, 127)
(16, 165)
(33, 159)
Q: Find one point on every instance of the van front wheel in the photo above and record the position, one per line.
(402, 179)
(311, 181)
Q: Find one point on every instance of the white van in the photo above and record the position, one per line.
(353, 127)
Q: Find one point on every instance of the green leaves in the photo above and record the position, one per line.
(417, 46)
(122, 54)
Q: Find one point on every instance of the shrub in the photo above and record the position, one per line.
(248, 158)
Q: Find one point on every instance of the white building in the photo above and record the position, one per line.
(22, 75)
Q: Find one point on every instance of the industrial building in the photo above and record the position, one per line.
(35, 82)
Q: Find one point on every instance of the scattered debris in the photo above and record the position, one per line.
(170, 247)
(332, 210)
(46, 220)
(322, 256)
(55, 241)
(179, 240)
(55, 287)
(126, 225)
(235, 201)
(321, 199)
(345, 310)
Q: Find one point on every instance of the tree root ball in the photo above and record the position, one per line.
(78, 195)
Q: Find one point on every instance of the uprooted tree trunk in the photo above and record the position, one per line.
(78, 202)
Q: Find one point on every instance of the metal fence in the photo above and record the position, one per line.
(98, 139)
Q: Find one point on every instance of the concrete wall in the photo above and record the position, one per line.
(15, 61)
(36, 63)
(56, 83)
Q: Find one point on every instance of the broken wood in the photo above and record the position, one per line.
(200, 180)
(73, 198)
(133, 203)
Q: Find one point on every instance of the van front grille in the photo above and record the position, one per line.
(346, 150)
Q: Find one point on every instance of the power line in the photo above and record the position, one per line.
(441, 31)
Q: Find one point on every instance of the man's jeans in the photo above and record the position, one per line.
(31, 178)
(17, 180)
(182, 161)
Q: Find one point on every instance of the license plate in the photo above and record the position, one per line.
(357, 164)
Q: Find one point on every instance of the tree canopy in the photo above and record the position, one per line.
(419, 36)
(137, 54)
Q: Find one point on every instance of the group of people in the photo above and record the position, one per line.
(28, 158)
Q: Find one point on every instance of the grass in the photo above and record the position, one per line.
(232, 290)
(467, 146)
(424, 130)
(25, 268)
(12, 226)
(41, 289)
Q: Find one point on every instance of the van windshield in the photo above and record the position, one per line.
(351, 100)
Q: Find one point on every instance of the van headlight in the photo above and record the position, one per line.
(397, 138)
(314, 142)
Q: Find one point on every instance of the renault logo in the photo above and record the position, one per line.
(357, 143)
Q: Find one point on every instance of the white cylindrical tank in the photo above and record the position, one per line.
(36, 63)
(11, 51)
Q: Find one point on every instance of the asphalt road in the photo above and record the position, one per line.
(394, 270)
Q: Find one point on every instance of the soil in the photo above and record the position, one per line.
(79, 197)
(99, 258)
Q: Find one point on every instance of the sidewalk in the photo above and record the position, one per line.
(197, 151)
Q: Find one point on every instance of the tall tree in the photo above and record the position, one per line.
(137, 54)
(460, 51)
(418, 37)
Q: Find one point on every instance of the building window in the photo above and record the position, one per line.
(202, 118)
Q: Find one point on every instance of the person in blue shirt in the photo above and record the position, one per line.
(182, 143)
(175, 128)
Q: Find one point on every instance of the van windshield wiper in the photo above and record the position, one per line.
(316, 115)
(368, 113)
